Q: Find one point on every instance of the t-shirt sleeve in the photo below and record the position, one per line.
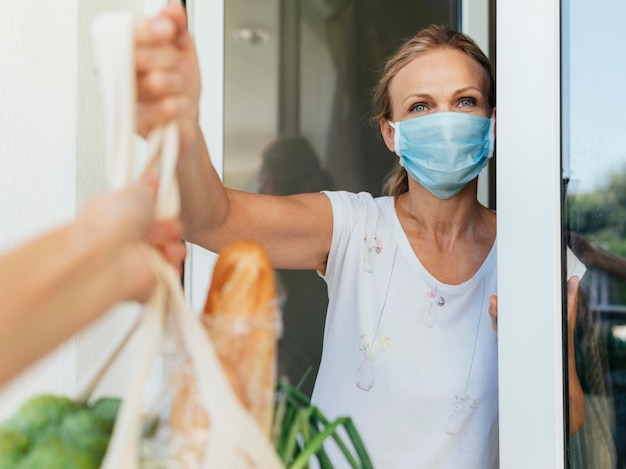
(349, 215)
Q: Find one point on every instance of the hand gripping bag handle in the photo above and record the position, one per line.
(235, 438)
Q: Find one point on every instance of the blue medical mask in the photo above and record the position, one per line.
(444, 151)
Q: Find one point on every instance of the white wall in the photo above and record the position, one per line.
(50, 153)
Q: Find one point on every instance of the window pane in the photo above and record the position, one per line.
(594, 172)
(298, 81)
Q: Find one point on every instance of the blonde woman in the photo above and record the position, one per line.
(409, 348)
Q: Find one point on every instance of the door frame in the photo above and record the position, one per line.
(530, 319)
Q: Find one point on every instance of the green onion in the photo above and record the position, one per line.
(300, 431)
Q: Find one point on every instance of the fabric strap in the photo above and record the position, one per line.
(235, 439)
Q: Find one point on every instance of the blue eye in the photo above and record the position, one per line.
(467, 102)
(419, 108)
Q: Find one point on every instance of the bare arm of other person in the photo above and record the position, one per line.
(576, 396)
(59, 282)
(295, 230)
(56, 284)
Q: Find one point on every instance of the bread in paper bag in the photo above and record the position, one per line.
(242, 320)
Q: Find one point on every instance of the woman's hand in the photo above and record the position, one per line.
(493, 313)
(168, 76)
(576, 396)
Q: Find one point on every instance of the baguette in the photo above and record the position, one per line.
(241, 318)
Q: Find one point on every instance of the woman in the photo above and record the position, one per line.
(409, 352)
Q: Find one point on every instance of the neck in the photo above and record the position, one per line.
(442, 219)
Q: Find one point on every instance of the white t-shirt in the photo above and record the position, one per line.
(412, 361)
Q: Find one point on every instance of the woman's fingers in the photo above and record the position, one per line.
(158, 84)
(493, 312)
(154, 31)
(156, 57)
(151, 114)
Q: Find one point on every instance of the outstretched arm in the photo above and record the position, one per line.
(59, 282)
(295, 230)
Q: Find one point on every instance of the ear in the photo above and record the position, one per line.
(388, 133)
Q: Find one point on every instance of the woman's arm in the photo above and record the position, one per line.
(58, 283)
(295, 230)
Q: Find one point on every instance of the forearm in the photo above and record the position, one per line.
(204, 200)
(55, 285)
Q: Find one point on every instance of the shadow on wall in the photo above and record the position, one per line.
(289, 166)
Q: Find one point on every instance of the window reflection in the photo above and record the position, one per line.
(304, 70)
(594, 169)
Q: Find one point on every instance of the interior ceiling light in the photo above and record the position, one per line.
(251, 35)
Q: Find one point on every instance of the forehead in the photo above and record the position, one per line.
(436, 72)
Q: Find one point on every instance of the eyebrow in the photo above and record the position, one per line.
(456, 93)
(468, 88)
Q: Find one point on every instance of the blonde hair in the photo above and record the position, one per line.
(426, 40)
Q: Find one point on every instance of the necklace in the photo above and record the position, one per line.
(429, 315)
(366, 374)
(463, 404)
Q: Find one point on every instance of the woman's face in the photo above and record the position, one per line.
(443, 80)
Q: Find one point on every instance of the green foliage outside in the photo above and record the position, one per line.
(601, 215)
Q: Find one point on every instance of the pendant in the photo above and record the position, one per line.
(366, 375)
(372, 246)
(462, 409)
(429, 314)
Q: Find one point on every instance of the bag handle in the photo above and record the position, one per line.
(233, 433)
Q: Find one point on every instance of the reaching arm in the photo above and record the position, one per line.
(295, 230)
(56, 284)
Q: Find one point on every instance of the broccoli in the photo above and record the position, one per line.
(86, 432)
(107, 408)
(39, 413)
(13, 446)
(56, 432)
(53, 453)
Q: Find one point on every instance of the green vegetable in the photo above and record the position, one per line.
(54, 453)
(300, 430)
(40, 413)
(107, 408)
(13, 446)
(53, 432)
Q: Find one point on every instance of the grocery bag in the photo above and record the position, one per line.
(234, 438)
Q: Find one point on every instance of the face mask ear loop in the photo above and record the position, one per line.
(396, 136)
(492, 136)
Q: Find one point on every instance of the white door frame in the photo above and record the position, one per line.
(529, 234)
(206, 22)
(475, 23)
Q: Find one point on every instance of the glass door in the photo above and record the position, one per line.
(297, 92)
(594, 222)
